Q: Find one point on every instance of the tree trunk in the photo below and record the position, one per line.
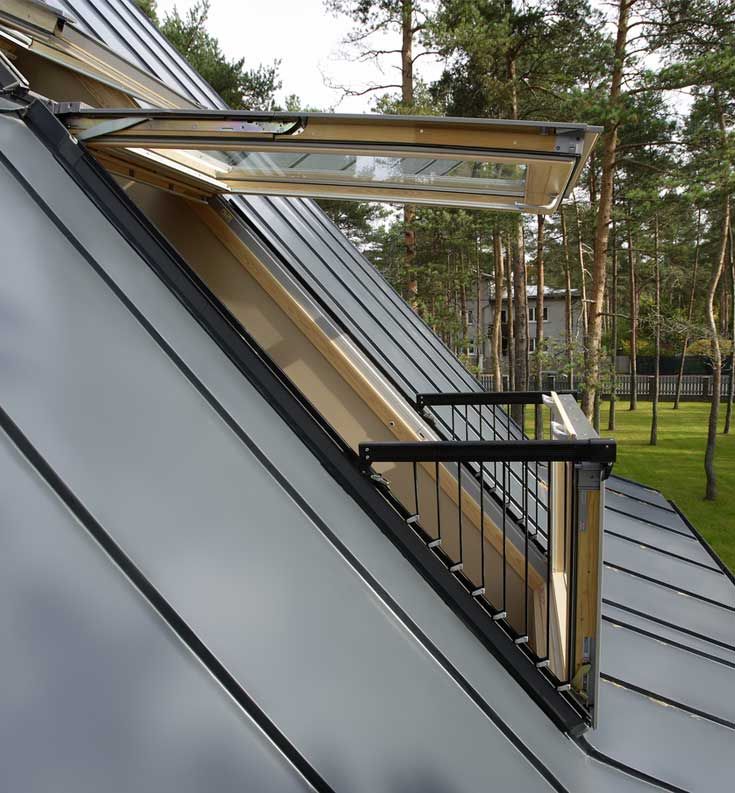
(582, 275)
(731, 384)
(604, 214)
(538, 358)
(409, 238)
(567, 299)
(497, 315)
(717, 268)
(463, 310)
(657, 337)
(690, 313)
(409, 211)
(633, 320)
(510, 318)
(613, 372)
(520, 297)
(520, 301)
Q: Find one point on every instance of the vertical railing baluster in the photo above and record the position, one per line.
(549, 551)
(459, 564)
(416, 491)
(481, 589)
(525, 550)
(536, 526)
(438, 539)
(467, 423)
(571, 578)
(495, 437)
(505, 566)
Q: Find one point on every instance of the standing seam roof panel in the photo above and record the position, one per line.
(77, 638)
(214, 531)
(77, 427)
(661, 601)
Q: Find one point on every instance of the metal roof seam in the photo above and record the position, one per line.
(703, 542)
(611, 486)
(667, 641)
(647, 545)
(673, 587)
(156, 600)
(668, 701)
(653, 618)
(647, 521)
(593, 752)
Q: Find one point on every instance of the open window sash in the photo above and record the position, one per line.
(491, 164)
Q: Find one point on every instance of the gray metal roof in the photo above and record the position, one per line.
(667, 697)
(332, 632)
(98, 694)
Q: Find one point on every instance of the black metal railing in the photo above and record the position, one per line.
(546, 602)
(500, 416)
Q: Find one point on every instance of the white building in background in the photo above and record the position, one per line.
(553, 319)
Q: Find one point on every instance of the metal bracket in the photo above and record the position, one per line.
(110, 127)
(589, 476)
(380, 480)
(11, 80)
(569, 141)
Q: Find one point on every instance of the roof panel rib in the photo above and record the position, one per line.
(77, 638)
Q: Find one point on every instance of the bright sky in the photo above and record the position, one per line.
(308, 42)
(304, 37)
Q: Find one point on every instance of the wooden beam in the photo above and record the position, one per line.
(342, 355)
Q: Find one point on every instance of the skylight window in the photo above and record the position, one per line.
(515, 165)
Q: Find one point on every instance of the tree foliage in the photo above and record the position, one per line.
(240, 87)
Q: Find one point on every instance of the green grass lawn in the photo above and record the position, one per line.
(675, 465)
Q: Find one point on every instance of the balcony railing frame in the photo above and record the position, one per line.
(575, 471)
(502, 427)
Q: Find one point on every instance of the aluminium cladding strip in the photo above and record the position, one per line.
(341, 462)
(160, 604)
(95, 701)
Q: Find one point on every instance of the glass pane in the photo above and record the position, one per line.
(420, 173)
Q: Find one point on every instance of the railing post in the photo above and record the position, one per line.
(586, 584)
